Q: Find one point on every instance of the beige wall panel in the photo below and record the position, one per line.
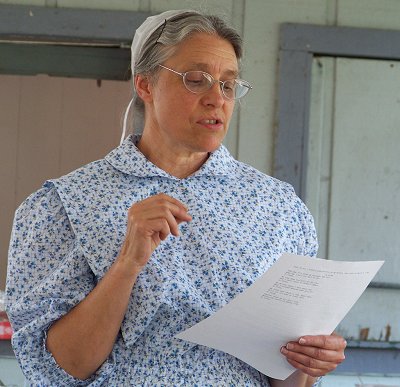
(39, 133)
(261, 37)
(369, 13)
(91, 120)
(50, 126)
(9, 97)
(118, 100)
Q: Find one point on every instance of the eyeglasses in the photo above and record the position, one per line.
(200, 82)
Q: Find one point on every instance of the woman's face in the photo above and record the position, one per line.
(181, 119)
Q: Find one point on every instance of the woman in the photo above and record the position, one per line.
(110, 262)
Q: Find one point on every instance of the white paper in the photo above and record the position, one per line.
(297, 296)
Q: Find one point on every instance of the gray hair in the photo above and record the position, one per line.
(163, 42)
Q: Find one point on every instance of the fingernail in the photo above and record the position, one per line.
(284, 350)
(302, 340)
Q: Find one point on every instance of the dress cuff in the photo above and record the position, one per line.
(317, 382)
(63, 378)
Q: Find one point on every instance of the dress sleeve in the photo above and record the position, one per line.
(47, 276)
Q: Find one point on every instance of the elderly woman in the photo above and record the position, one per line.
(110, 262)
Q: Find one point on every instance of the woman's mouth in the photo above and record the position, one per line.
(212, 122)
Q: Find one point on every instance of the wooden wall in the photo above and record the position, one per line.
(48, 127)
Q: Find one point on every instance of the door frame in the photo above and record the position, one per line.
(299, 44)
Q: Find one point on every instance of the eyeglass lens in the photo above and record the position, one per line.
(198, 82)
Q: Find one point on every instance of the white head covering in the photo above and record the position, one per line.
(140, 38)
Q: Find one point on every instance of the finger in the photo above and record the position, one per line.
(333, 342)
(150, 222)
(180, 214)
(321, 369)
(171, 200)
(157, 208)
(171, 218)
(167, 203)
(324, 355)
(161, 229)
(335, 356)
(173, 214)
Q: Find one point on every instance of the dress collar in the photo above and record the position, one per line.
(128, 159)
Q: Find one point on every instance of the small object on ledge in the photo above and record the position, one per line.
(388, 332)
(364, 332)
(5, 326)
(5, 330)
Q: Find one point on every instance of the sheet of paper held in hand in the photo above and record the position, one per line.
(297, 296)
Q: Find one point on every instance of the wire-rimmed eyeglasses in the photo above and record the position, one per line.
(197, 82)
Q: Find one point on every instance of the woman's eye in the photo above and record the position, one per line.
(194, 81)
(229, 86)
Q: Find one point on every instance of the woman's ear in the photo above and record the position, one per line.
(143, 87)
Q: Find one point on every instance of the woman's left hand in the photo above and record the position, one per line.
(315, 355)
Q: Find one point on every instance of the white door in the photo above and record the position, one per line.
(353, 181)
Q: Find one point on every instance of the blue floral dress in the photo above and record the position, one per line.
(67, 235)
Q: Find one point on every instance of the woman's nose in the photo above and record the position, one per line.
(214, 95)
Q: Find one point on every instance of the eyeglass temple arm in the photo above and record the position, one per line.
(176, 72)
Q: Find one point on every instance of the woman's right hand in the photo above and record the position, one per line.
(83, 338)
(150, 222)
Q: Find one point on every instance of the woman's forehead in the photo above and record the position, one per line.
(203, 51)
(233, 72)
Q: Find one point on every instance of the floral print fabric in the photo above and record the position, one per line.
(67, 235)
